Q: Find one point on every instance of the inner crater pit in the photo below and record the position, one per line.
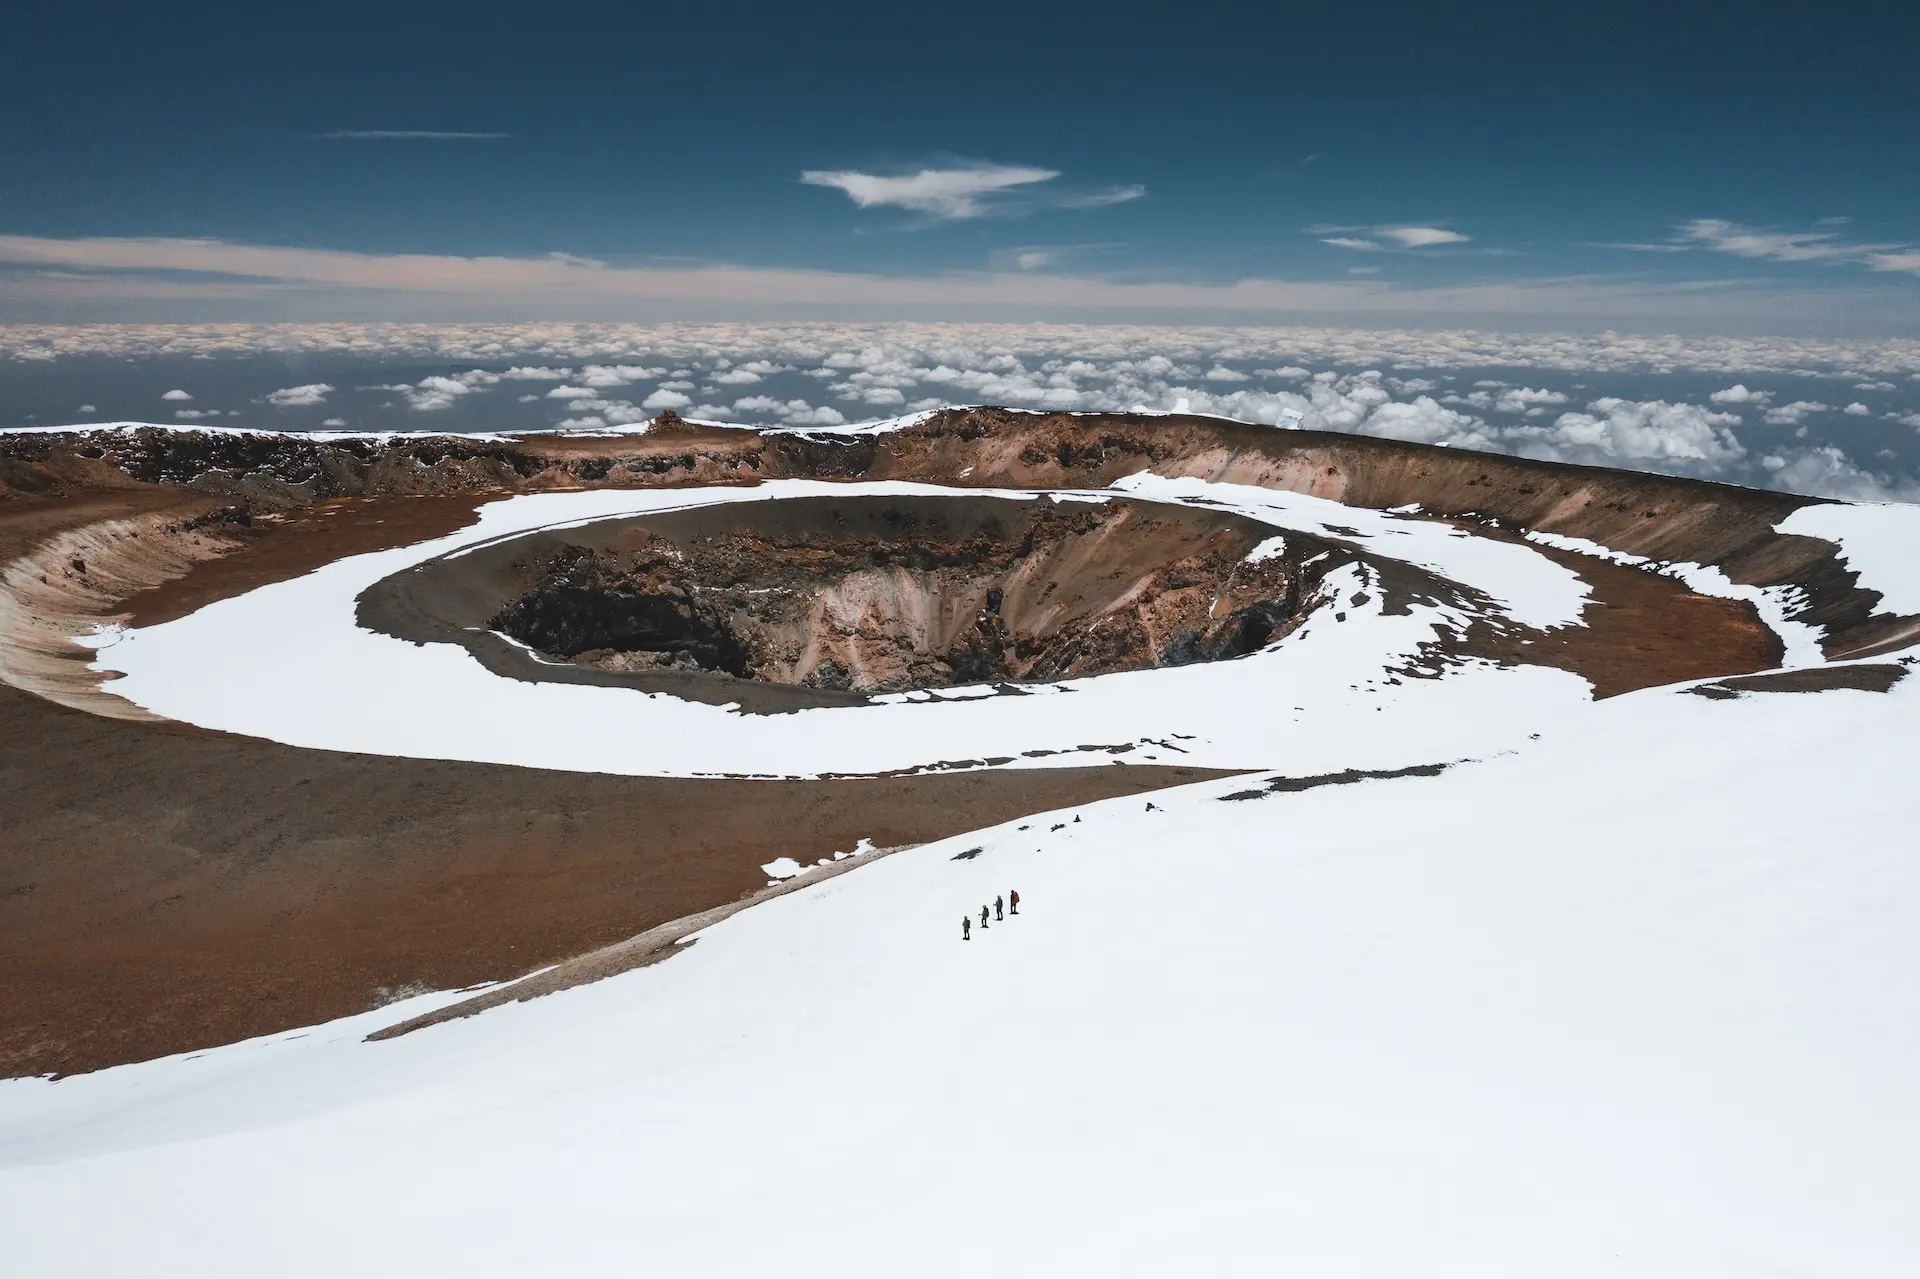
(878, 594)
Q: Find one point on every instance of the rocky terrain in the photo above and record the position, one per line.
(886, 595)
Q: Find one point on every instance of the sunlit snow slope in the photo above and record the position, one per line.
(1635, 1001)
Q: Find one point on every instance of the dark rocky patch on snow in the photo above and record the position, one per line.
(1876, 677)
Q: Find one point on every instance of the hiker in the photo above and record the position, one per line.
(983, 917)
(999, 908)
(966, 928)
(1014, 896)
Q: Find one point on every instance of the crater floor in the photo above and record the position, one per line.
(885, 594)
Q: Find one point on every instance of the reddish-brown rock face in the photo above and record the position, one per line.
(883, 594)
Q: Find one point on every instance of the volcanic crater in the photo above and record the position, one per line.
(834, 599)
(167, 887)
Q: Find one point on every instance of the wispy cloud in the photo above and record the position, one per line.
(1102, 199)
(1374, 239)
(1718, 235)
(948, 194)
(1907, 260)
(1419, 237)
(967, 191)
(406, 135)
(1636, 247)
(1034, 257)
(1778, 246)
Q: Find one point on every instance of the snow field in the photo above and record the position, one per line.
(1317, 702)
(1634, 1000)
(1631, 997)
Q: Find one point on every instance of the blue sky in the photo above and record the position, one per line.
(1694, 166)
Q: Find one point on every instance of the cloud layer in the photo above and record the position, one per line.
(69, 272)
(635, 352)
(1450, 388)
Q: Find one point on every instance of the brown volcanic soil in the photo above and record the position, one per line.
(1640, 630)
(285, 545)
(164, 888)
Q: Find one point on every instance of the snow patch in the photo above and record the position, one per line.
(1878, 540)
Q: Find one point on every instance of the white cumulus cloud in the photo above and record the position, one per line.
(1795, 413)
(1509, 399)
(1617, 431)
(300, 396)
(792, 412)
(1827, 472)
(611, 375)
(432, 394)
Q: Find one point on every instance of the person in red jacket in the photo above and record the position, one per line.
(1013, 900)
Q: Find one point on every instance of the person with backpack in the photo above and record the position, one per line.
(1014, 897)
(999, 908)
(983, 917)
(966, 928)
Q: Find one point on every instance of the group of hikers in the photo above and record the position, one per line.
(1000, 911)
